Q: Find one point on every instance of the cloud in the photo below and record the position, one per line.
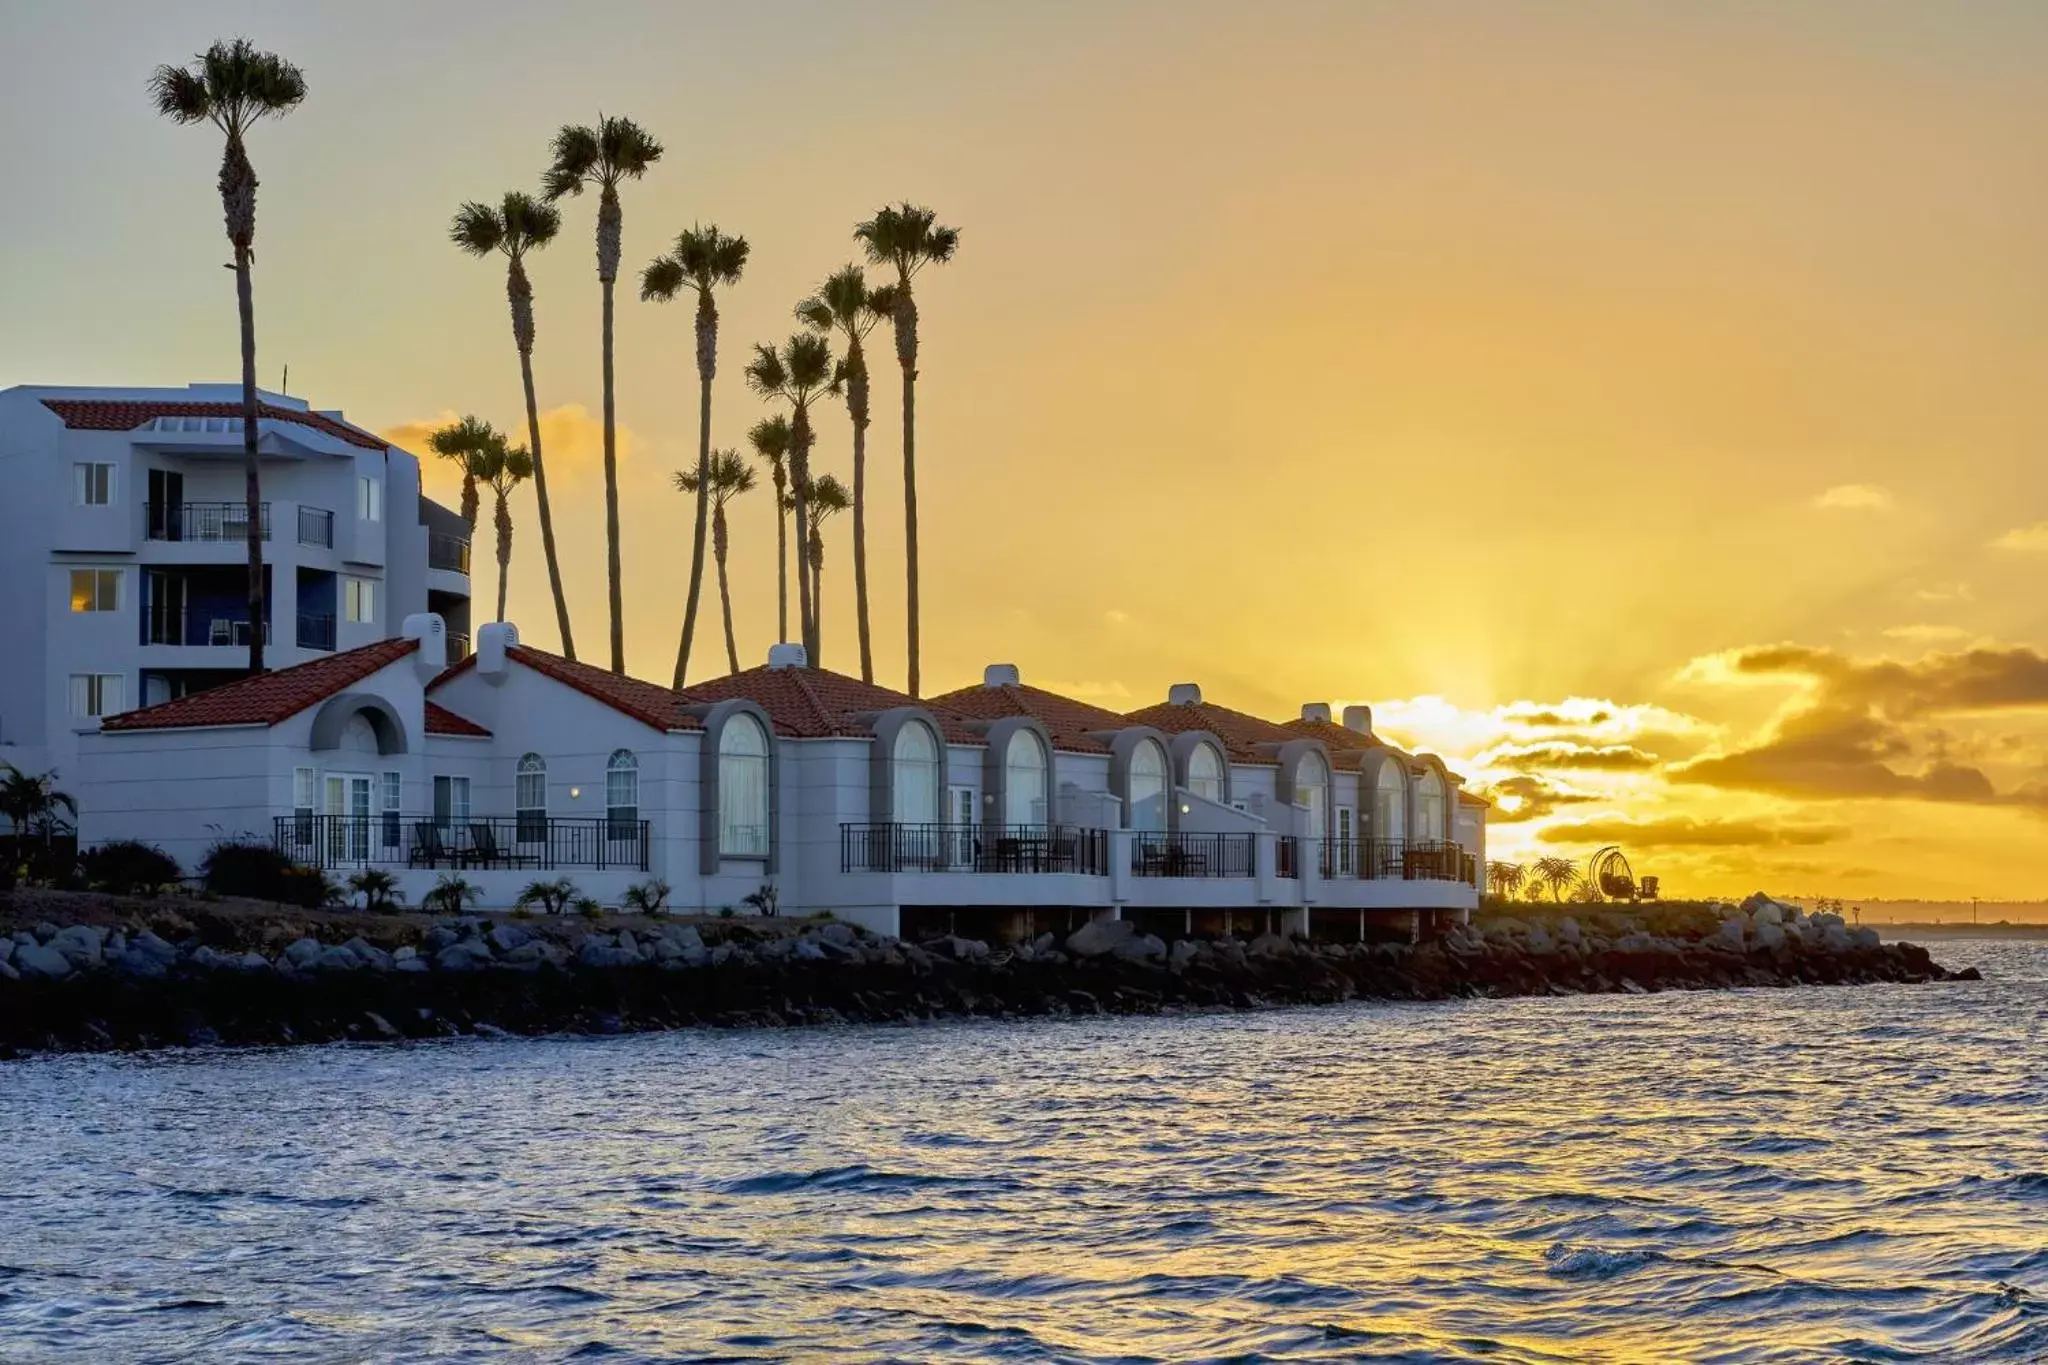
(571, 436)
(1856, 497)
(1442, 726)
(1522, 798)
(2024, 539)
(1097, 692)
(1684, 831)
(1927, 634)
(1555, 754)
(1952, 592)
(1988, 678)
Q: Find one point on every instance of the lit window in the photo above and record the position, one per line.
(743, 788)
(451, 801)
(370, 498)
(97, 694)
(95, 590)
(1312, 789)
(94, 484)
(1148, 786)
(1390, 804)
(1429, 806)
(530, 799)
(917, 775)
(1024, 780)
(622, 795)
(360, 599)
(1205, 773)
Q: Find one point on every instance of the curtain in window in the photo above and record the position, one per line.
(743, 789)
(916, 775)
(530, 799)
(1024, 780)
(1148, 786)
(1205, 773)
(1429, 807)
(622, 795)
(1312, 789)
(1390, 798)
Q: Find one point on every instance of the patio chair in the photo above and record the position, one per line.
(485, 851)
(430, 848)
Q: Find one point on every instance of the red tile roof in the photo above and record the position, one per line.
(91, 414)
(1072, 724)
(442, 721)
(1347, 747)
(1241, 734)
(814, 703)
(267, 698)
(650, 704)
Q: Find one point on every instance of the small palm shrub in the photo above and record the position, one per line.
(766, 902)
(647, 898)
(248, 867)
(378, 888)
(451, 895)
(552, 897)
(588, 907)
(129, 867)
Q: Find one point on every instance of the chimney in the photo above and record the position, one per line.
(493, 642)
(1001, 675)
(787, 655)
(1184, 694)
(432, 633)
(1359, 719)
(1316, 711)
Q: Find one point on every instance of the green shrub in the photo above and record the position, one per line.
(588, 907)
(378, 888)
(129, 867)
(552, 897)
(452, 895)
(647, 898)
(246, 867)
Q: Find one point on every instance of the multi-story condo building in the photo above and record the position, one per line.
(997, 810)
(124, 560)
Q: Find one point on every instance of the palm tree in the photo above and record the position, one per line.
(504, 468)
(458, 443)
(726, 476)
(770, 439)
(704, 259)
(30, 801)
(845, 304)
(233, 86)
(1557, 874)
(616, 150)
(797, 375)
(518, 225)
(828, 497)
(909, 238)
(1506, 878)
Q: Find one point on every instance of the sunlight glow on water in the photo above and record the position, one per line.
(1748, 1176)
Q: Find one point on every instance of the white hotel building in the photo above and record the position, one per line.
(124, 563)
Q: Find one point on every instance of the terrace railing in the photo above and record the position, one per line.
(1184, 853)
(992, 849)
(316, 527)
(316, 631)
(202, 521)
(225, 627)
(447, 552)
(515, 842)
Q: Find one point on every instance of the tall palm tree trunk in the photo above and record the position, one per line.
(800, 476)
(521, 292)
(718, 549)
(504, 525)
(707, 368)
(857, 406)
(781, 566)
(610, 223)
(906, 356)
(238, 205)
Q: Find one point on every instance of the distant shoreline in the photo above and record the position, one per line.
(1951, 929)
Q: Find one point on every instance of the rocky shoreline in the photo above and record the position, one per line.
(161, 980)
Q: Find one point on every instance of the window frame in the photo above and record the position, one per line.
(933, 766)
(96, 688)
(1011, 769)
(621, 819)
(89, 473)
(729, 759)
(369, 498)
(98, 601)
(530, 818)
(449, 812)
(359, 600)
(1222, 778)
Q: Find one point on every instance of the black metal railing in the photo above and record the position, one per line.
(316, 631)
(1184, 853)
(197, 626)
(973, 848)
(458, 646)
(508, 842)
(203, 521)
(316, 527)
(448, 552)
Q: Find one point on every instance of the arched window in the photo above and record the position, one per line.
(1390, 804)
(530, 799)
(1312, 789)
(916, 760)
(622, 795)
(743, 788)
(1148, 786)
(1205, 773)
(1024, 780)
(1429, 806)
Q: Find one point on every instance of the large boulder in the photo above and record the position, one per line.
(369, 954)
(468, 955)
(1142, 948)
(140, 965)
(338, 958)
(841, 934)
(1568, 930)
(596, 952)
(1100, 937)
(302, 954)
(505, 937)
(1863, 936)
(1731, 934)
(150, 945)
(1834, 937)
(1183, 952)
(1769, 934)
(807, 950)
(961, 949)
(35, 960)
(80, 944)
(1270, 945)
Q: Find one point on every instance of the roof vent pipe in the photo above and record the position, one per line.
(1318, 711)
(1359, 719)
(788, 655)
(1001, 675)
(494, 641)
(432, 633)
(1184, 694)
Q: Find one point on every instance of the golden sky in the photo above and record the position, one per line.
(1639, 404)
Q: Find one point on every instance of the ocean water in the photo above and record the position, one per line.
(1809, 1175)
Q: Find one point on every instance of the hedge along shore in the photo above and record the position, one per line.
(129, 974)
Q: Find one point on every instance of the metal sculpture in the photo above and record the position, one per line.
(1608, 872)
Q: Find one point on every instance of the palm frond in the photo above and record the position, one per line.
(730, 475)
(556, 182)
(458, 440)
(686, 480)
(180, 94)
(662, 280)
(766, 374)
(710, 257)
(770, 438)
(477, 229)
(530, 223)
(519, 464)
(826, 496)
(808, 360)
(907, 236)
(625, 149)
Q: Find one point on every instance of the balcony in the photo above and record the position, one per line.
(316, 527)
(316, 631)
(1423, 860)
(448, 552)
(458, 646)
(531, 843)
(198, 626)
(1185, 854)
(205, 522)
(991, 849)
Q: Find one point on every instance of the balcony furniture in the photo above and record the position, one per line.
(485, 851)
(429, 849)
(984, 849)
(1190, 853)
